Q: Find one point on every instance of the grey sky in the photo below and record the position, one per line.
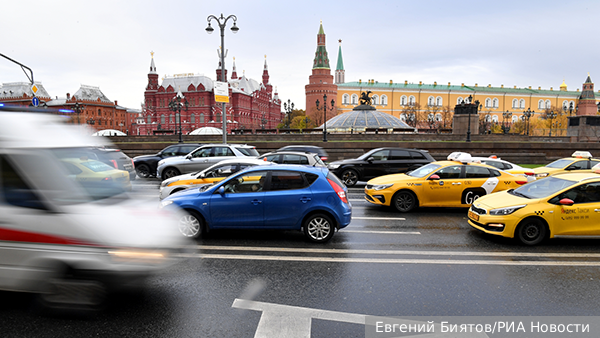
(107, 44)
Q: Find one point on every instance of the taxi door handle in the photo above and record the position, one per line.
(456, 183)
(597, 210)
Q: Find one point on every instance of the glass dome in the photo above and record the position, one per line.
(359, 120)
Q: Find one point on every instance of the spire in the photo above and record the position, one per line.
(588, 90)
(340, 73)
(340, 62)
(321, 57)
(265, 76)
(234, 72)
(152, 66)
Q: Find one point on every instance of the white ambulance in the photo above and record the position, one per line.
(71, 242)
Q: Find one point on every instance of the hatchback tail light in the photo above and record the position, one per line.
(115, 164)
(132, 164)
(338, 190)
(530, 173)
(323, 158)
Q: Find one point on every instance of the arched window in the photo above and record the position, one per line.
(201, 118)
(438, 117)
(411, 100)
(565, 105)
(515, 103)
(354, 99)
(193, 118)
(403, 100)
(548, 104)
(430, 101)
(430, 116)
(488, 102)
(515, 118)
(522, 103)
(459, 100)
(495, 103)
(403, 117)
(345, 99)
(384, 100)
(438, 101)
(495, 118)
(375, 99)
(162, 119)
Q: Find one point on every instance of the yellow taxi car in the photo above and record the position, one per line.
(96, 174)
(210, 175)
(456, 182)
(579, 160)
(566, 204)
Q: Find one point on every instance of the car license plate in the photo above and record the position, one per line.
(473, 216)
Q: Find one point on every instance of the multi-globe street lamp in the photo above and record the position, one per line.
(289, 108)
(506, 121)
(526, 116)
(175, 106)
(78, 109)
(222, 21)
(550, 115)
(325, 114)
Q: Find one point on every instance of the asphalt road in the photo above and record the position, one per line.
(275, 284)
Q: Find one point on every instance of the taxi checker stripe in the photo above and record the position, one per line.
(10, 235)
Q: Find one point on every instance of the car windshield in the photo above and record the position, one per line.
(424, 170)
(248, 151)
(366, 155)
(559, 164)
(542, 188)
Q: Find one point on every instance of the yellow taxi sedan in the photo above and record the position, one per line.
(566, 204)
(579, 160)
(95, 174)
(456, 182)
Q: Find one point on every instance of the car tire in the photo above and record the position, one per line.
(142, 170)
(349, 177)
(191, 225)
(170, 172)
(319, 228)
(404, 201)
(531, 231)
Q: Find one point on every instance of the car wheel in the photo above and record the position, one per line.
(349, 177)
(191, 225)
(319, 228)
(170, 172)
(404, 201)
(142, 170)
(531, 231)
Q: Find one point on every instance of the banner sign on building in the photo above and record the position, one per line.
(221, 92)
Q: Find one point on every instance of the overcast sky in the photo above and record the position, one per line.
(107, 44)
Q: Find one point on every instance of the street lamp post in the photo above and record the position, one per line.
(288, 107)
(78, 109)
(325, 114)
(505, 118)
(222, 21)
(551, 115)
(526, 116)
(175, 105)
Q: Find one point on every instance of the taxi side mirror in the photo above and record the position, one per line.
(566, 201)
(434, 177)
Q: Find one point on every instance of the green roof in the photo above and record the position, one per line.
(340, 62)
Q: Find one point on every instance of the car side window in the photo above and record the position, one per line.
(250, 182)
(417, 155)
(14, 190)
(273, 158)
(472, 171)
(584, 193)
(286, 180)
(449, 172)
(184, 150)
(223, 151)
(578, 165)
(224, 171)
(400, 155)
(71, 168)
(381, 155)
(170, 151)
(498, 165)
(204, 152)
(294, 159)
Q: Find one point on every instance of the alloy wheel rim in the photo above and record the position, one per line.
(319, 228)
(189, 226)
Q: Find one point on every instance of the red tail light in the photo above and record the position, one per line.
(521, 182)
(529, 173)
(107, 179)
(132, 164)
(338, 190)
(115, 164)
(323, 158)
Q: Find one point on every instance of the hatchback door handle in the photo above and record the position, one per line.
(304, 199)
(256, 202)
(597, 210)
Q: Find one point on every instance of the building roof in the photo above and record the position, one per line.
(89, 93)
(183, 82)
(17, 89)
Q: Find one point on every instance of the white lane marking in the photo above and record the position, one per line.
(383, 232)
(398, 252)
(390, 261)
(381, 218)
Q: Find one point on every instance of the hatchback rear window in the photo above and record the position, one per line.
(248, 151)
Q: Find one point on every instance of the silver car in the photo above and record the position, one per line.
(210, 175)
(202, 158)
(293, 157)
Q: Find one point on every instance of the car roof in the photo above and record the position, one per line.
(227, 145)
(294, 167)
(289, 152)
(242, 160)
(577, 176)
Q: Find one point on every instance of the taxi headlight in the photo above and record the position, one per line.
(333, 166)
(381, 186)
(541, 175)
(506, 211)
(166, 182)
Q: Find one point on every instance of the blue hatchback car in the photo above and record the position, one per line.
(282, 197)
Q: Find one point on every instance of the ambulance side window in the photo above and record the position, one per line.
(14, 190)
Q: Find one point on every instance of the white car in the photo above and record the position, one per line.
(202, 158)
(509, 167)
(70, 241)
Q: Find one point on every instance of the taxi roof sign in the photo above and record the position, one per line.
(582, 154)
(460, 157)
